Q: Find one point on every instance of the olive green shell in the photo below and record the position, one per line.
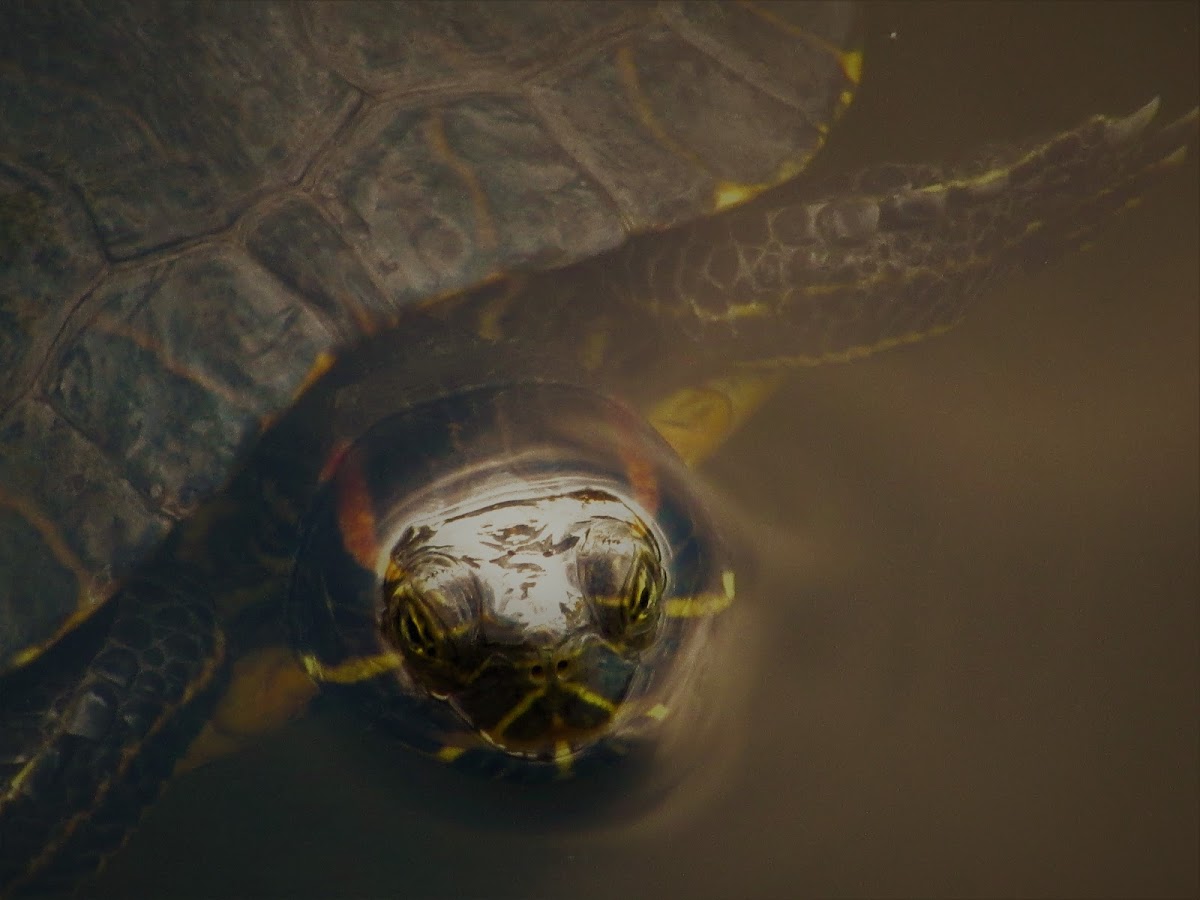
(201, 204)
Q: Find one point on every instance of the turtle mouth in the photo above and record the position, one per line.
(551, 723)
(548, 708)
(555, 743)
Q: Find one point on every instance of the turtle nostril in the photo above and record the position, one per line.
(561, 666)
(537, 671)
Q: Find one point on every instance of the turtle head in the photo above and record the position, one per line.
(535, 585)
(528, 616)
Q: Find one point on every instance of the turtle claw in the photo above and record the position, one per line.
(1124, 130)
(1181, 134)
(1171, 142)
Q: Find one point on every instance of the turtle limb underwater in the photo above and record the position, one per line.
(679, 326)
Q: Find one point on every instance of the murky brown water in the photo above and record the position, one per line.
(980, 667)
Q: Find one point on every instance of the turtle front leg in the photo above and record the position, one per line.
(899, 253)
(267, 688)
(91, 730)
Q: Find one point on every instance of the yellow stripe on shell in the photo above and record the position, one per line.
(495, 308)
(320, 365)
(630, 81)
(850, 61)
(725, 193)
(730, 193)
(852, 65)
(86, 601)
(485, 226)
(733, 193)
(145, 341)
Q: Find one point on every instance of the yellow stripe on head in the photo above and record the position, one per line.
(563, 758)
(590, 697)
(698, 606)
(352, 670)
(449, 753)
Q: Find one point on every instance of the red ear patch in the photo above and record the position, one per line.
(334, 460)
(355, 512)
(638, 468)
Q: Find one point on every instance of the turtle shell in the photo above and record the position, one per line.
(202, 205)
(192, 322)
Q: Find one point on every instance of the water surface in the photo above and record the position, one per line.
(980, 664)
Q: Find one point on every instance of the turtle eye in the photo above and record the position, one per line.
(641, 595)
(621, 573)
(416, 631)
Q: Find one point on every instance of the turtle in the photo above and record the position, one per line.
(379, 362)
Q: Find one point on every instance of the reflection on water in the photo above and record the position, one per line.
(980, 673)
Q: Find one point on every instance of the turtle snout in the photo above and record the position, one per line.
(537, 701)
(555, 666)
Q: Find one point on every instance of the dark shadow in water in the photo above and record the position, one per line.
(986, 682)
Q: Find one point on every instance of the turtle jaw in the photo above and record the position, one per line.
(545, 705)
